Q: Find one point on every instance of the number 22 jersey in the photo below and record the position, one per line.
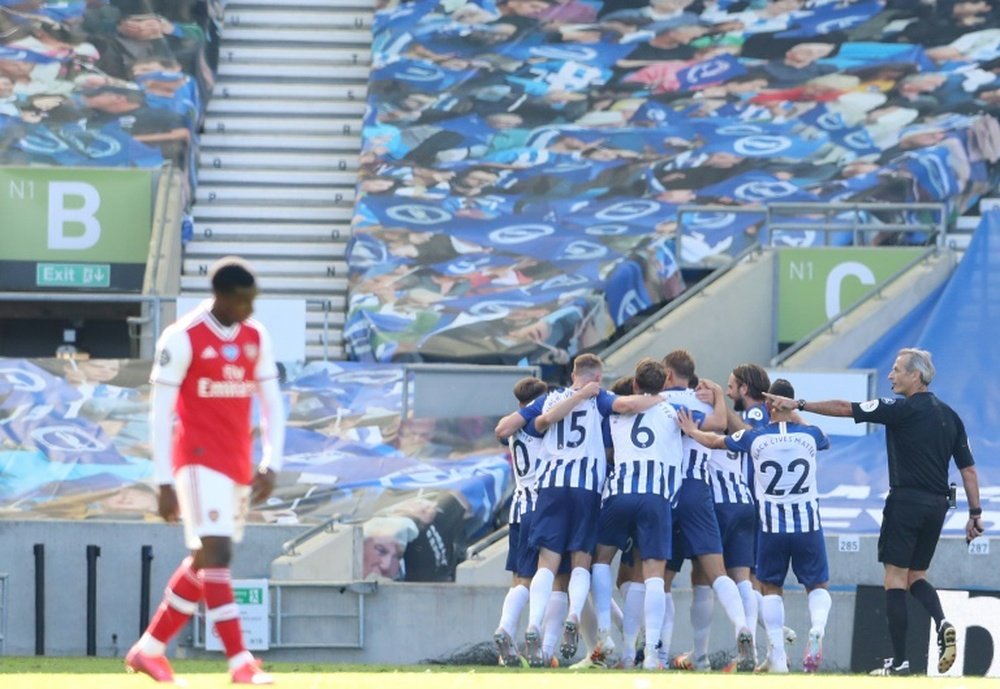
(784, 462)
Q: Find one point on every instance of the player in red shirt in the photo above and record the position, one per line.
(209, 364)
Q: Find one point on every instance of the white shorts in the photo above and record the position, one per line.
(211, 504)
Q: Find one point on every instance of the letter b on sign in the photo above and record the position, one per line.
(70, 204)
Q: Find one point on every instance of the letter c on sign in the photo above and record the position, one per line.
(836, 278)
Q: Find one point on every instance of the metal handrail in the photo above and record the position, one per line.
(473, 551)
(676, 303)
(289, 546)
(4, 578)
(871, 294)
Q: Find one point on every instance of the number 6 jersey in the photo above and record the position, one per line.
(784, 462)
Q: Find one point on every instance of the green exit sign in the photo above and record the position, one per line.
(248, 596)
(72, 275)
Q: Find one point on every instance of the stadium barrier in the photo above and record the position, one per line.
(4, 585)
(402, 623)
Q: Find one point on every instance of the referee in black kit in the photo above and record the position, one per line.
(922, 434)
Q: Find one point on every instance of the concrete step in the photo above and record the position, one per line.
(273, 195)
(206, 229)
(321, 353)
(345, 126)
(314, 304)
(272, 35)
(299, 142)
(210, 175)
(282, 107)
(278, 249)
(330, 17)
(302, 161)
(273, 285)
(333, 336)
(257, 213)
(291, 267)
(333, 55)
(315, 317)
(288, 91)
(323, 72)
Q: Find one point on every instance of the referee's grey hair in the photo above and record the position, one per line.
(919, 360)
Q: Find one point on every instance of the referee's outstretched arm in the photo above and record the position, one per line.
(826, 407)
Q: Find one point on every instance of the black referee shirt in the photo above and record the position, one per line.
(921, 434)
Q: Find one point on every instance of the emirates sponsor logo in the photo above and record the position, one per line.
(225, 388)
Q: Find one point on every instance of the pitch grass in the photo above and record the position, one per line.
(107, 673)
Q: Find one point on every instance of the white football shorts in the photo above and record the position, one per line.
(211, 504)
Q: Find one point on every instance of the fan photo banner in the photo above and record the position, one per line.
(524, 161)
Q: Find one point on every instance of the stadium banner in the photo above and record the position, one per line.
(975, 614)
(503, 148)
(74, 444)
(74, 228)
(817, 283)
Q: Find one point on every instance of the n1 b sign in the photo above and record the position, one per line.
(74, 228)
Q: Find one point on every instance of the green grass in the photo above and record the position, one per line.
(107, 673)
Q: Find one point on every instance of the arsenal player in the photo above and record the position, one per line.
(208, 366)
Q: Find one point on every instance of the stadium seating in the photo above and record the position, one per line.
(524, 161)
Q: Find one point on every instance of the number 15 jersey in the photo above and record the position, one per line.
(784, 462)
(573, 447)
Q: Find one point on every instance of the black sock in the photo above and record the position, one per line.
(895, 608)
(925, 592)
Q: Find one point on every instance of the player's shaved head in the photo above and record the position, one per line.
(782, 388)
(230, 274)
(588, 366)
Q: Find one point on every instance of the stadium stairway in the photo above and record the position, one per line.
(279, 154)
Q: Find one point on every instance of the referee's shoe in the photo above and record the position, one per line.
(946, 642)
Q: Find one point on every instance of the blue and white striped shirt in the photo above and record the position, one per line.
(648, 453)
(755, 417)
(784, 459)
(573, 446)
(729, 482)
(526, 458)
(695, 454)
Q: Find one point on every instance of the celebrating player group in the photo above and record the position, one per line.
(661, 470)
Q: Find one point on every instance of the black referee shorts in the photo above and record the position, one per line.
(911, 527)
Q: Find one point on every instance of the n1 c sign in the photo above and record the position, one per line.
(89, 219)
(816, 284)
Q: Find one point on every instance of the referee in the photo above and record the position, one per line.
(922, 434)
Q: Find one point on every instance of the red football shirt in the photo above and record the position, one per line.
(217, 369)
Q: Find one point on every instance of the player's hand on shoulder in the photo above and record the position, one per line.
(685, 421)
(263, 485)
(166, 503)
